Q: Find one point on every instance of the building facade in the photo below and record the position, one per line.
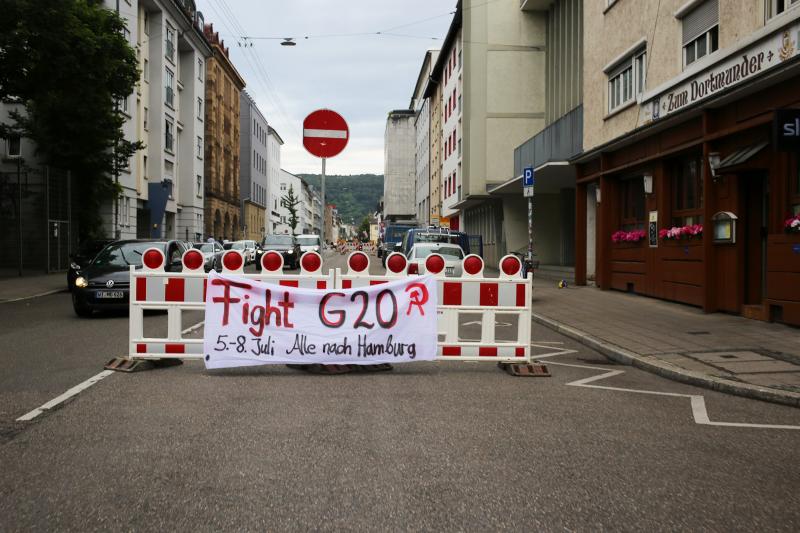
(274, 143)
(434, 93)
(422, 126)
(399, 168)
(491, 71)
(162, 188)
(687, 152)
(288, 181)
(223, 88)
(253, 180)
(307, 195)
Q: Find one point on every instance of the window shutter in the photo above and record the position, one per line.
(700, 20)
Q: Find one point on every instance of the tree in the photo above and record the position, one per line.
(290, 202)
(69, 65)
(363, 229)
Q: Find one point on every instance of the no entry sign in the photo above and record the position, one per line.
(325, 133)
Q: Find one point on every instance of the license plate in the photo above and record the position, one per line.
(449, 271)
(110, 294)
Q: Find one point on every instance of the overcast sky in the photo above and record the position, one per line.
(361, 77)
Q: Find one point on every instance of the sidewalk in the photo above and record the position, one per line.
(719, 351)
(13, 288)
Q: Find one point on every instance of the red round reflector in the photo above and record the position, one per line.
(473, 264)
(359, 262)
(434, 263)
(193, 259)
(271, 261)
(153, 259)
(510, 266)
(232, 260)
(311, 262)
(396, 263)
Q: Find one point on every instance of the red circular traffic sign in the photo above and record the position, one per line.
(325, 133)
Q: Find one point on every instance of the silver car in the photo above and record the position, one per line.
(452, 253)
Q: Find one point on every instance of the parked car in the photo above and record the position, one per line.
(105, 283)
(392, 236)
(452, 254)
(434, 235)
(247, 248)
(86, 252)
(285, 244)
(212, 252)
(309, 243)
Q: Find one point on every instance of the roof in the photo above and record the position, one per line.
(438, 67)
(271, 131)
(423, 77)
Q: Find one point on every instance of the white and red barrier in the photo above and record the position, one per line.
(472, 294)
(154, 288)
(488, 302)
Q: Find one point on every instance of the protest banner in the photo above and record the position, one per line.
(249, 322)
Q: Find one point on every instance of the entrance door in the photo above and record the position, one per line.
(756, 199)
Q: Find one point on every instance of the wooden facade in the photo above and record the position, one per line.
(758, 275)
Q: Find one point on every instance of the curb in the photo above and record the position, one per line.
(669, 371)
(47, 293)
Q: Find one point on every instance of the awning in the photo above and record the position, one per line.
(550, 178)
(740, 156)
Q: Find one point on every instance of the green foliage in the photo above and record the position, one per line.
(363, 229)
(68, 63)
(355, 196)
(290, 202)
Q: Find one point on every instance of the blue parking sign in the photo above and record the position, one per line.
(527, 177)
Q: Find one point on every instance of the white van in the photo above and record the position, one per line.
(309, 243)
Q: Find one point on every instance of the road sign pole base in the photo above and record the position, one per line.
(527, 370)
(123, 364)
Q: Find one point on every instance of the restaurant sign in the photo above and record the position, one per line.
(760, 57)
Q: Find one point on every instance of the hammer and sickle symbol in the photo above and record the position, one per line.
(418, 295)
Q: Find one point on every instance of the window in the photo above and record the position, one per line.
(200, 69)
(146, 71)
(199, 186)
(144, 167)
(169, 83)
(283, 186)
(632, 203)
(627, 80)
(776, 7)
(146, 24)
(126, 33)
(169, 44)
(146, 117)
(199, 147)
(687, 191)
(200, 109)
(168, 135)
(700, 31)
(13, 146)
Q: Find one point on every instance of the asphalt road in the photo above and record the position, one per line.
(434, 446)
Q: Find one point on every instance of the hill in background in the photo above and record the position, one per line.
(355, 196)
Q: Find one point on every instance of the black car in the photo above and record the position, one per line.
(86, 252)
(105, 283)
(287, 245)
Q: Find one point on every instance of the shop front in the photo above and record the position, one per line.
(698, 205)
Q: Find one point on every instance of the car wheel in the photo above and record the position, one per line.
(81, 309)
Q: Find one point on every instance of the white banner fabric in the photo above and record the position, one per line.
(248, 323)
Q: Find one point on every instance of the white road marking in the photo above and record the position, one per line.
(48, 293)
(66, 396)
(325, 134)
(82, 386)
(698, 403)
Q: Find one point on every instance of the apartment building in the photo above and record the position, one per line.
(274, 143)
(491, 72)
(162, 189)
(286, 182)
(433, 92)
(549, 151)
(307, 194)
(223, 88)
(422, 127)
(690, 161)
(253, 180)
(399, 168)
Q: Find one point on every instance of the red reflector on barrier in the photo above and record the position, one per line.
(510, 266)
(232, 260)
(359, 262)
(193, 259)
(271, 261)
(311, 262)
(434, 263)
(153, 259)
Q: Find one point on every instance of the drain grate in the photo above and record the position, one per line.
(699, 332)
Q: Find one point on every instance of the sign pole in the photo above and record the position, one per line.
(322, 225)
(530, 229)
